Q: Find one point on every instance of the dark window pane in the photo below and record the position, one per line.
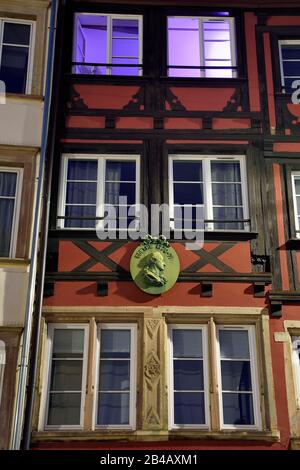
(115, 343)
(82, 170)
(8, 182)
(227, 194)
(290, 51)
(189, 408)
(238, 408)
(236, 376)
(114, 375)
(188, 193)
(81, 193)
(225, 171)
(6, 220)
(13, 72)
(296, 183)
(291, 69)
(15, 33)
(187, 343)
(188, 375)
(288, 84)
(66, 376)
(120, 171)
(68, 343)
(64, 409)
(187, 171)
(114, 190)
(113, 408)
(80, 211)
(228, 213)
(234, 344)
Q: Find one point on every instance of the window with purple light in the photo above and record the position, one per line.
(103, 41)
(201, 47)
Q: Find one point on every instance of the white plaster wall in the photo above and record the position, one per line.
(13, 288)
(21, 121)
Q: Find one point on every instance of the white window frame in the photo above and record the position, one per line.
(2, 366)
(110, 17)
(296, 364)
(295, 174)
(254, 376)
(203, 328)
(201, 20)
(207, 185)
(133, 375)
(31, 46)
(17, 207)
(287, 42)
(47, 374)
(100, 185)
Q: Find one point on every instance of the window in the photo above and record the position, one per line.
(67, 375)
(188, 377)
(237, 377)
(16, 42)
(71, 355)
(97, 187)
(296, 200)
(107, 44)
(201, 47)
(116, 376)
(289, 56)
(10, 195)
(213, 188)
(296, 362)
(2, 366)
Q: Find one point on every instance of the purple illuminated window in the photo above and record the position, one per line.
(201, 47)
(103, 41)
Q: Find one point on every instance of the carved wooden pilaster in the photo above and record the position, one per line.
(153, 377)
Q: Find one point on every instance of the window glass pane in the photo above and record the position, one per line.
(125, 48)
(298, 204)
(113, 409)
(188, 193)
(297, 185)
(187, 343)
(82, 170)
(188, 375)
(80, 211)
(114, 190)
(291, 69)
(236, 375)
(238, 408)
(125, 70)
(115, 343)
(225, 172)
(68, 343)
(290, 51)
(6, 220)
(120, 171)
(8, 183)
(125, 28)
(228, 213)
(183, 46)
(91, 43)
(227, 194)
(13, 71)
(66, 375)
(64, 409)
(234, 344)
(114, 375)
(189, 408)
(81, 193)
(16, 33)
(214, 51)
(187, 171)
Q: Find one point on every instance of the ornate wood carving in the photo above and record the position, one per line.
(137, 101)
(76, 102)
(153, 388)
(173, 101)
(235, 102)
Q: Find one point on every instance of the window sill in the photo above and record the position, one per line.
(68, 435)
(295, 443)
(23, 96)
(11, 262)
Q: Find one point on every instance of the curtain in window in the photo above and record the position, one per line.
(113, 180)
(8, 184)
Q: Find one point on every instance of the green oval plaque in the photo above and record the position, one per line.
(154, 266)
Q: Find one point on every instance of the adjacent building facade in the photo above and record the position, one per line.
(23, 39)
(194, 107)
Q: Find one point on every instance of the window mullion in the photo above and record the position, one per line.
(208, 201)
(201, 47)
